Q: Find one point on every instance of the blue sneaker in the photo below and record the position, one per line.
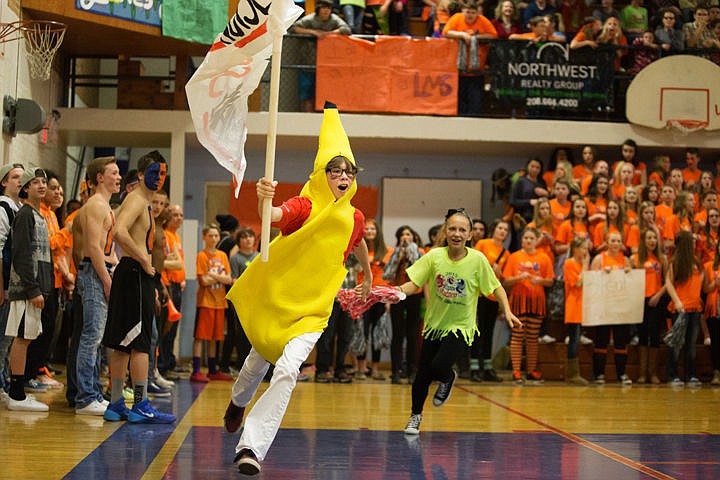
(116, 411)
(143, 412)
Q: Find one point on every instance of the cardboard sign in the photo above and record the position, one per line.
(614, 298)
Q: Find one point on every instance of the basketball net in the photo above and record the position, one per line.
(42, 40)
(686, 127)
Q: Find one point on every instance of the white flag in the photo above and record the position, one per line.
(218, 91)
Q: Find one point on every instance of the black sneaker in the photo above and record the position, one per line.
(490, 375)
(442, 394)
(247, 462)
(476, 376)
(343, 377)
(233, 417)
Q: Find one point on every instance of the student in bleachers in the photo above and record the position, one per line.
(613, 223)
(527, 189)
(506, 19)
(670, 38)
(612, 259)
(527, 273)
(697, 33)
(622, 178)
(650, 258)
(661, 170)
(708, 199)
(704, 185)
(554, 27)
(630, 203)
(691, 173)
(563, 171)
(681, 219)
(543, 223)
(560, 203)
(605, 11)
(536, 8)
(576, 264)
(611, 34)
(599, 167)
(712, 324)
(634, 19)
(709, 235)
(588, 34)
(646, 220)
(646, 51)
(629, 153)
(487, 308)
(676, 181)
(585, 167)
(664, 209)
(651, 193)
(597, 198)
(575, 226)
(479, 232)
(684, 282)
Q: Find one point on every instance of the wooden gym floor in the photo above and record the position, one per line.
(334, 431)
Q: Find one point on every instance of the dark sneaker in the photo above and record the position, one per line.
(442, 394)
(324, 377)
(535, 377)
(490, 375)
(343, 377)
(233, 417)
(157, 391)
(116, 411)
(476, 376)
(413, 425)
(143, 412)
(247, 462)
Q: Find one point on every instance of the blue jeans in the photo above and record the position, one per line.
(353, 16)
(691, 334)
(90, 287)
(574, 332)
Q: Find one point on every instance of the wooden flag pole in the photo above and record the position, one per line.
(272, 135)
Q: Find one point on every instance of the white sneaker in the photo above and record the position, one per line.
(163, 382)
(104, 403)
(625, 380)
(95, 408)
(585, 340)
(635, 341)
(49, 381)
(27, 405)
(545, 339)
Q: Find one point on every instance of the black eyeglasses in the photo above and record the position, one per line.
(337, 172)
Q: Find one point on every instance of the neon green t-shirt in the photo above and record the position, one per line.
(454, 291)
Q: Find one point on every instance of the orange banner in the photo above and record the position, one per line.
(392, 74)
(245, 207)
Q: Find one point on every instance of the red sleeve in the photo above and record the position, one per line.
(358, 232)
(295, 211)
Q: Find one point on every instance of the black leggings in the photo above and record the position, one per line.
(649, 329)
(371, 319)
(487, 311)
(436, 360)
(406, 320)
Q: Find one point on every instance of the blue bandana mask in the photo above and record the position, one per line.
(155, 176)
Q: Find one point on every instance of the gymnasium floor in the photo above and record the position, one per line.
(354, 431)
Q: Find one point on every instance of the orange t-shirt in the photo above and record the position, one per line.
(212, 296)
(690, 177)
(559, 212)
(689, 292)
(705, 248)
(701, 217)
(655, 177)
(376, 267)
(57, 240)
(662, 213)
(637, 172)
(712, 297)
(526, 297)
(633, 237)
(630, 217)
(598, 233)
(616, 263)
(585, 184)
(566, 232)
(457, 23)
(599, 206)
(653, 273)
(580, 172)
(673, 225)
(487, 247)
(174, 276)
(544, 245)
(618, 191)
(573, 294)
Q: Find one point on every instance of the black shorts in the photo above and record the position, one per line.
(131, 308)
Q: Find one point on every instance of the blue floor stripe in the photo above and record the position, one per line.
(130, 450)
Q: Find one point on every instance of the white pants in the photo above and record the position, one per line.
(263, 421)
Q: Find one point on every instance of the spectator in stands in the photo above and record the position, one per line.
(613, 223)
(712, 288)
(681, 219)
(634, 19)
(698, 34)
(526, 274)
(560, 203)
(536, 8)
(605, 11)
(675, 180)
(527, 189)
(559, 154)
(645, 221)
(714, 12)
(709, 235)
(585, 168)
(630, 204)
(600, 167)
(353, 10)
(506, 20)
(651, 259)
(703, 187)
(661, 170)
(573, 16)
(668, 36)
(611, 34)
(575, 226)
(645, 52)
(588, 34)
(597, 198)
(651, 193)
(612, 259)
(684, 282)
(479, 231)
(319, 24)
(629, 153)
(487, 308)
(563, 172)
(691, 174)
(552, 29)
(664, 209)
(467, 27)
(622, 178)
(543, 223)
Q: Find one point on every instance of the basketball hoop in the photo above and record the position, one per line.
(686, 126)
(42, 40)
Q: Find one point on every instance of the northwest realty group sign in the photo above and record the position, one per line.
(552, 76)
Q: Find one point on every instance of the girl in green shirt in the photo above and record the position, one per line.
(456, 275)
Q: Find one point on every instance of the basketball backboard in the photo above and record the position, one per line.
(680, 91)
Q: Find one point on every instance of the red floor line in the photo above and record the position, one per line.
(575, 439)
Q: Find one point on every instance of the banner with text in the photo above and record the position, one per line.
(613, 298)
(551, 76)
(392, 74)
(141, 11)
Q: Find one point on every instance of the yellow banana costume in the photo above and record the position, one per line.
(293, 292)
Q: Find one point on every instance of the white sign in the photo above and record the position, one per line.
(613, 298)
